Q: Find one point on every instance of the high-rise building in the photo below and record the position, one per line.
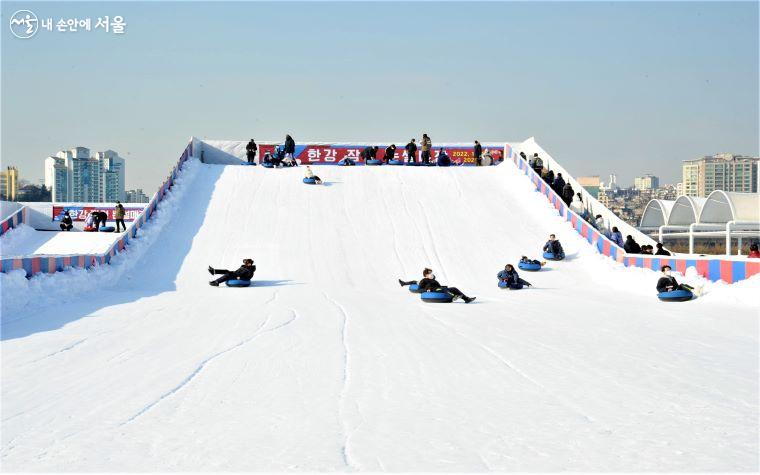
(724, 171)
(646, 182)
(136, 196)
(75, 175)
(9, 184)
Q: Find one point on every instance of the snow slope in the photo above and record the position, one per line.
(327, 364)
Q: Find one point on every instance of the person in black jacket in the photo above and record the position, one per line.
(390, 153)
(553, 245)
(250, 151)
(66, 222)
(369, 153)
(512, 278)
(101, 217)
(429, 284)
(559, 184)
(244, 272)
(411, 150)
(568, 193)
(290, 149)
(668, 283)
(477, 151)
(661, 251)
(549, 179)
(630, 246)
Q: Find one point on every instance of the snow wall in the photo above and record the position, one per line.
(13, 214)
(51, 264)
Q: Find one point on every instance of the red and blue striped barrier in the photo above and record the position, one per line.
(51, 264)
(713, 268)
(13, 220)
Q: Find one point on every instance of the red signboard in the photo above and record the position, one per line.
(79, 213)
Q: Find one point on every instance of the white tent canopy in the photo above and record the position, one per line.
(685, 211)
(656, 213)
(723, 206)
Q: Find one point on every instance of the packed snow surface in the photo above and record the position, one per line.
(25, 241)
(327, 364)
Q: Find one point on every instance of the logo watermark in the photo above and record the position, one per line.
(24, 24)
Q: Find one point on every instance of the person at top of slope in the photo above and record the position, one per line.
(443, 159)
(66, 222)
(411, 151)
(477, 152)
(290, 150)
(525, 260)
(553, 245)
(390, 153)
(631, 246)
(250, 151)
(426, 144)
(668, 283)
(310, 174)
(487, 158)
(429, 284)
(244, 272)
(369, 153)
(510, 276)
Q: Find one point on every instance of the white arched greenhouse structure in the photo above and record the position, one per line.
(721, 214)
(656, 214)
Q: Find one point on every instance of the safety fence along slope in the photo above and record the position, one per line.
(17, 217)
(715, 268)
(57, 263)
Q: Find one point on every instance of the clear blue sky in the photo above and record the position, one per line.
(605, 87)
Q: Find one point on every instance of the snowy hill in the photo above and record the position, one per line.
(327, 364)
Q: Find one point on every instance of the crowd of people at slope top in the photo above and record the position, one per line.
(97, 218)
(284, 153)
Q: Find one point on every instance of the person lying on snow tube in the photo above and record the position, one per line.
(510, 279)
(244, 272)
(311, 177)
(268, 161)
(429, 284)
(669, 289)
(347, 162)
(553, 249)
(530, 264)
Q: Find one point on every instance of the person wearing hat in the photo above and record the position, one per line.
(244, 272)
(66, 222)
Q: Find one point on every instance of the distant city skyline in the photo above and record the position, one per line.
(629, 87)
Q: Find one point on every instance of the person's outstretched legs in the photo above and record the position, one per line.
(458, 294)
(404, 284)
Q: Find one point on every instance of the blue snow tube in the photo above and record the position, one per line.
(436, 297)
(396, 162)
(267, 165)
(504, 285)
(238, 283)
(343, 163)
(415, 289)
(310, 181)
(529, 266)
(374, 162)
(680, 295)
(249, 164)
(412, 164)
(551, 257)
(106, 229)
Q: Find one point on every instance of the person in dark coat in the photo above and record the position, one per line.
(646, 249)
(369, 153)
(668, 283)
(661, 251)
(429, 284)
(66, 222)
(526, 260)
(101, 218)
(553, 245)
(411, 151)
(244, 272)
(631, 246)
(559, 184)
(549, 178)
(512, 278)
(290, 150)
(568, 193)
(390, 153)
(477, 152)
(443, 159)
(250, 151)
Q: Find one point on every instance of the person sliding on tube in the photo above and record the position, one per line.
(512, 278)
(310, 174)
(429, 284)
(668, 283)
(244, 272)
(553, 246)
(525, 260)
